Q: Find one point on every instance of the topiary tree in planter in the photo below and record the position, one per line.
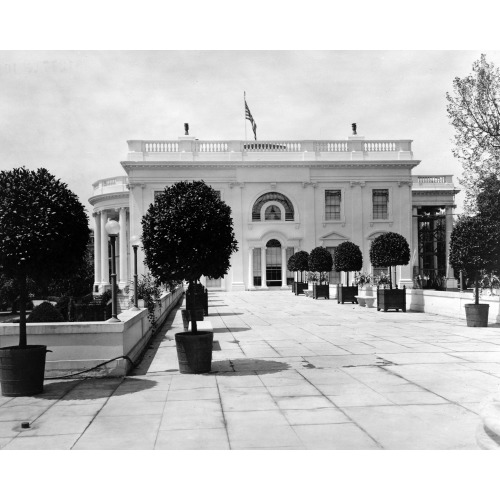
(474, 247)
(299, 262)
(290, 265)
(187, 233)
(44, 233)
(320, 261)
(388, 250)
(347, 258)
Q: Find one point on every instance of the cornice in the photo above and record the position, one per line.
(108, 196)
(435, 192)
(192, 164)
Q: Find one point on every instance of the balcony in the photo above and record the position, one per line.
(111, 185)
(433, 183)
(191, 149)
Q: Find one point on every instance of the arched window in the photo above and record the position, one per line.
(273, 196)
(273, 212)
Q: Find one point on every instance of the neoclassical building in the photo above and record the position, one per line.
(287, 196)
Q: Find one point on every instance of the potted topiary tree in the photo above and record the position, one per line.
(387, 250)
(187, 233)
(301, 266)
(44, 233)
(347, 258)
(321, 262)
(474, 247)
(290, 265)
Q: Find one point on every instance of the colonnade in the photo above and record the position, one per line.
(101, 252)
(264, 286)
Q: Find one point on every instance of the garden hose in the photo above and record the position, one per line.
(91, 369)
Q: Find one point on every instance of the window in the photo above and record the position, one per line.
(380, 203)
(334, 276)
(273, 196)
(257, 269)
(332, 204)
(273, 212)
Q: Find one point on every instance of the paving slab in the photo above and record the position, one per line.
(288, 373)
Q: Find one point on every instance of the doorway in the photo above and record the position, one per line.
(273, 263)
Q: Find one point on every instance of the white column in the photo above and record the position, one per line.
(104, 250)
(122, 242)
(283, 268)
(250, 269)
(263, 266)
(451, 282)
(97, 250)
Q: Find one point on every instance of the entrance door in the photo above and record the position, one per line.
(273, 263)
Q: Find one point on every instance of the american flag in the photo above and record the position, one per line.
(249, 116)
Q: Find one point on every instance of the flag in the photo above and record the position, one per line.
(249, 117)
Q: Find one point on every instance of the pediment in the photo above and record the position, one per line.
(333, 236)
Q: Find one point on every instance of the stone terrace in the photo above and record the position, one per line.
(288, 373)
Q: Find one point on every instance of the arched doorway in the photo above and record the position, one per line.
(273, 263)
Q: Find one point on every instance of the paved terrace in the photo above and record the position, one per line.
(288, 373)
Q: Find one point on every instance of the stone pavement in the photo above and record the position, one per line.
(288, 373)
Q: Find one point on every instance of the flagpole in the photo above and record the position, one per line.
(244, 114)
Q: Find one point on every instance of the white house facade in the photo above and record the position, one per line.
(287, 196)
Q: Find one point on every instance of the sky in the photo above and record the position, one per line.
(73, 111)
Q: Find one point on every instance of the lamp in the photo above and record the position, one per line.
(135, 240)
(113, 228)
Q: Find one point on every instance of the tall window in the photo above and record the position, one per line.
(332, 204)
(257, 269)
(380, 203)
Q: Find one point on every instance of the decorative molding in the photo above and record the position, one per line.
(408, 183)
(273, 185)
(108, 196)
(362, 184)
(241, 185)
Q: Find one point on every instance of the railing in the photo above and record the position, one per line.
(434, 179)
(272, 146)
(111, 184)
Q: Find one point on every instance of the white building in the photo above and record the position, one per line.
(287, 196)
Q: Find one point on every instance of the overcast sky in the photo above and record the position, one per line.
(73, 111)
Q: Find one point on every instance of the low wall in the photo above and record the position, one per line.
(80, 346)
(449, 303)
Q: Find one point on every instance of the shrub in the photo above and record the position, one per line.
(389, 249)
(320, 261)
(45, 313)
(347, 258)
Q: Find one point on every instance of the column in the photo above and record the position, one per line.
(123, 248)
(284, 286)
(250, 269)
(104, 250)
(451, 282)
(237, 258)
(97, 250)
(263, 266)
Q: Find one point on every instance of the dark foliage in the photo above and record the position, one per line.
(348, 257)
(389, 249)
(320, 261)
(474, 247)
(290, 265)
(187, 233)
(45, 313)
(42, 222)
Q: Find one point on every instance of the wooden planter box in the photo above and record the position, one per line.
(391, 299)
(321, 291)
(300, 287)
(347, 294)
(201, 301)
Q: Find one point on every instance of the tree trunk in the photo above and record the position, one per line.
(476, 286)
(194, 328)
(347, 278)
(390, 277)
(22, 308)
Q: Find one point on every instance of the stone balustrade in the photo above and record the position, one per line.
(111, 185)
(190, 148)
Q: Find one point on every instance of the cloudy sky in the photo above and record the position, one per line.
(73, 111)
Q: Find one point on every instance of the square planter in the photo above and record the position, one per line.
(201, 301)
(391, 299)
(321, 291)
(347, 294)
(300, 287)
(187, 315)
(294, 284)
